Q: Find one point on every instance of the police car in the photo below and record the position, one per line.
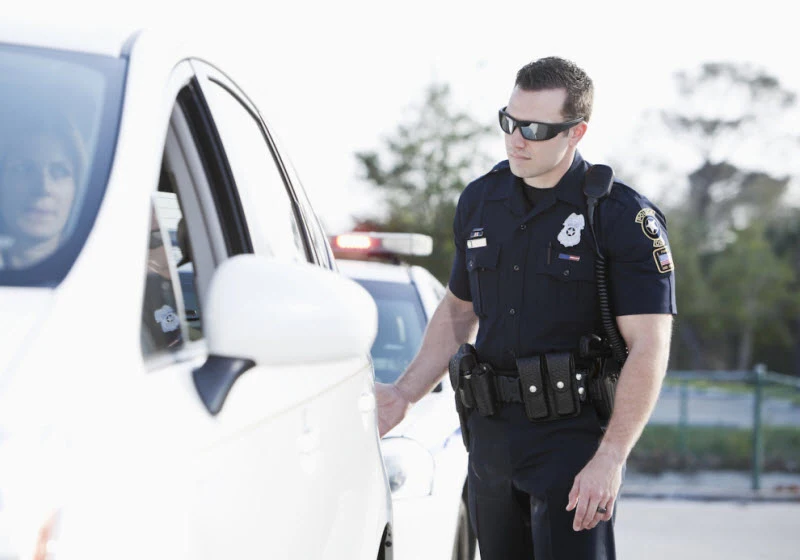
(136, 421)
(424, 455)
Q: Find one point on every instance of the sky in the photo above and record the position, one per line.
(336, 77)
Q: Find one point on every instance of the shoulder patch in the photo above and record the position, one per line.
(663, 258)
(650, 226)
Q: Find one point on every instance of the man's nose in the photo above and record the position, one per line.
(517, 139)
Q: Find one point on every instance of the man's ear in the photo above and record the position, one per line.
(576, 133)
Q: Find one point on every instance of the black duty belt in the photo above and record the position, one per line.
(548, 385)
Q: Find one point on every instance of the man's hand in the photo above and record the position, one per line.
(596, 486)
(392, 406)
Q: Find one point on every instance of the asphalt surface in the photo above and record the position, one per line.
(691, 530)
(648, 529)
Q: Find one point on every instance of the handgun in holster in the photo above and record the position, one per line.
(461, 366)
(603, 375)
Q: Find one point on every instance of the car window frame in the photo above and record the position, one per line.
(207, 74)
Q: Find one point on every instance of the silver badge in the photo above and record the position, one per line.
(571, 234)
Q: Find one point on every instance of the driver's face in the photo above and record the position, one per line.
(37, 188)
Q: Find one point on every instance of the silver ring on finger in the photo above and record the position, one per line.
(601, 509)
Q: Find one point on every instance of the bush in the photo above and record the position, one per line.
(712, 448)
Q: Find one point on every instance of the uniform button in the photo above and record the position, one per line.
(471, 262)
(511, 311)
(566, 272)
(560, 384)
(516, 268)
(532, 388)
(522, 227)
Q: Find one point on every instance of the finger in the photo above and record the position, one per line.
(580, 513)
(604, 515)
(609, 510)
(572, 501)
(590, 513)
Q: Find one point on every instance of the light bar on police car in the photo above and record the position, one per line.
(375, 243)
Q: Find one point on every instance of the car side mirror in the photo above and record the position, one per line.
(266, 312)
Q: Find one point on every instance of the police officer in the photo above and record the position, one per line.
(523, 273)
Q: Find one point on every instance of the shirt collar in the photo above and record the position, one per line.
(568, 189)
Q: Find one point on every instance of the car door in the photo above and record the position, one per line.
(332, 490)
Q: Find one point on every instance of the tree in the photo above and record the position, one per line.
(422, 170)
(726, 145)
(754, 293)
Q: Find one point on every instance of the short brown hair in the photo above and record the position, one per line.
(557, 73)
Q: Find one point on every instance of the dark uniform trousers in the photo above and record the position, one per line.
(520, 476)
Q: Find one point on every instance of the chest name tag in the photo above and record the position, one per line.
(479, 242)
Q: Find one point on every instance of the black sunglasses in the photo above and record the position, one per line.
(532, 130)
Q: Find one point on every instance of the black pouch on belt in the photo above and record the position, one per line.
(483, 389)
(562, 387)
(532, 387)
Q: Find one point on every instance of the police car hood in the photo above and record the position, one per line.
(21, 311)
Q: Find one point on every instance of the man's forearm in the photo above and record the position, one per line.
(637, 391)
(453, 323)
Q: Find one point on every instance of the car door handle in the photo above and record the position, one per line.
(366, 402)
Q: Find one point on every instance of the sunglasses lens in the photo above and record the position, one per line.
(536, 132)
(506, 123)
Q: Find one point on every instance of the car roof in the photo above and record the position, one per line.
(371, 270)
(106, 40)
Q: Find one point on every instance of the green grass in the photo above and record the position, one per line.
(708, 447)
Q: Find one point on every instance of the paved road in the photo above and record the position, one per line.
(688, 530)
(723, 408)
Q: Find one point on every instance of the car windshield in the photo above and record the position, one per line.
(401, 324)
(59, 113)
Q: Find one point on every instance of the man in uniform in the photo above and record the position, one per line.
(523, 272)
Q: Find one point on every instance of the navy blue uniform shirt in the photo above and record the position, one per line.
(529, 271)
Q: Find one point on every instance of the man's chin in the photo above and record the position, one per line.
(517, 169)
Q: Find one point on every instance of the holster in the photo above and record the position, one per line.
(461, 367)
(602, 387)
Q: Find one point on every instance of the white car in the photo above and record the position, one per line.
(424, 455)
(136, 422)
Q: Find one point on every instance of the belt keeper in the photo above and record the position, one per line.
(483, 390)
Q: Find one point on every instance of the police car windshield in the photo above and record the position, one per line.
(401, 324)
(58, 113)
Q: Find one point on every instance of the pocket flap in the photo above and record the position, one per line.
(483, 258)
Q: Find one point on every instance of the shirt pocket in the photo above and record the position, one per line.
(483, 277)
(567, 291)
